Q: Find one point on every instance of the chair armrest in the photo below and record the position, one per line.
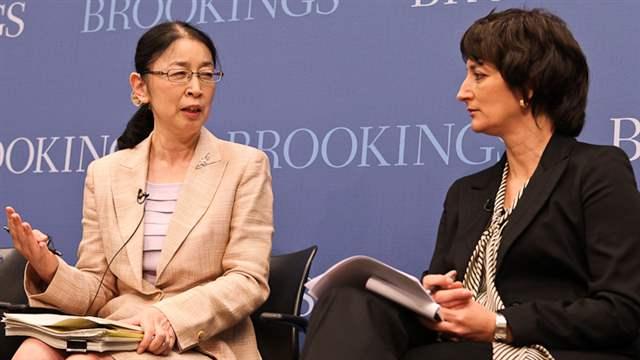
(286, 319)
(8, 307)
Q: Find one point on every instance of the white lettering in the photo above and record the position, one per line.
(67, 154)
(432, 139)
(270, 150)
(271, 8)
(44, 154)
(617, 134)
(325, 147)
(114, 12)
(285, 8)
(232, 137)
(287, 148)
(86, 142)
(366, 146)
(136, 14)
(11, 15)
(88, 15)
(420, 3)
(463, 157)
(1, 154)
(401, 145)
(169, 15)
(333, 9)
(207, 5)
(30, 155)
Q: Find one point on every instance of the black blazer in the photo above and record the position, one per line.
(569, 262)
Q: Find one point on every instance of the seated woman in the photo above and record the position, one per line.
(545, 243)
(188, 257)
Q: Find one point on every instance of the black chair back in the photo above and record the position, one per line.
(11, 276)
(12, 295)
(287, 276)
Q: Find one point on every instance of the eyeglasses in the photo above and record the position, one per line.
(184, 76)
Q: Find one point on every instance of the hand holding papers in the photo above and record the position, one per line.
(378, 277)
(74, 333)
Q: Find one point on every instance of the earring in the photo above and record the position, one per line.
(135, 100)
(523, 104)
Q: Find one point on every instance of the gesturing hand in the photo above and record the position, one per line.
(159, 336)
(32, 244)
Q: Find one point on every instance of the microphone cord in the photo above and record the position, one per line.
(145, 195)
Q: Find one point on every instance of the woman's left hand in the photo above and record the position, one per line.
(471, 321)
(159, 336)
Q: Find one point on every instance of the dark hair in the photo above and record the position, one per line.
(534, 52)
(150, 47)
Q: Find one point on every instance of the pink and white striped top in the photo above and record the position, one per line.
(158, 209)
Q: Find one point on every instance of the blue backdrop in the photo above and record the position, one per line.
(353, 101)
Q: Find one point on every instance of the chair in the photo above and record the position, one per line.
(12, 296)
(277, 322)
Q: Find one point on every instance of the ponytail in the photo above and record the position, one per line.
(138, 128)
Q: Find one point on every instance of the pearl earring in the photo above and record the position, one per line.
(523, 104)
(135, 100)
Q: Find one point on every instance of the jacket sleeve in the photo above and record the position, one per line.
(440, 261)
(243, 287)
(610, 313)
(83, 284)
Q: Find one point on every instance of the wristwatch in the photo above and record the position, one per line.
(501, 333)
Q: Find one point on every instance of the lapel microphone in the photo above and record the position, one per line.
(140, 199)
(142, 196)
(488, 205)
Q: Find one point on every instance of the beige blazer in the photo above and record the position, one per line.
(214, 265)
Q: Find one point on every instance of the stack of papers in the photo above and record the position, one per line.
(378, 277)
(74, 333)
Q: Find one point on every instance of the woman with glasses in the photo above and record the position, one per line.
(177, 224)
(543, 246)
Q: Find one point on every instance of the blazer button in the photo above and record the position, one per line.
(200, 335)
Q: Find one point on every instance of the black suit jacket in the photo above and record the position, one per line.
(569, 262)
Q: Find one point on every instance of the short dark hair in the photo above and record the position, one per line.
(534, 51)
(150, 47)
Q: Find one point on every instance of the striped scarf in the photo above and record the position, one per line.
(481, 273)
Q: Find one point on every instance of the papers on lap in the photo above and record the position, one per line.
(378, 277)
(74, 333)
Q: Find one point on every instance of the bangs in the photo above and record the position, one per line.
(480, 43)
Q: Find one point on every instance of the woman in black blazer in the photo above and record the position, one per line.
(544, 246)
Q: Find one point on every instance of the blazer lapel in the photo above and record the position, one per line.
(128, 177)
(197, 193)
(552, 165)
(474, 214)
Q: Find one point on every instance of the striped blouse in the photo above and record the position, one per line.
(158, 209)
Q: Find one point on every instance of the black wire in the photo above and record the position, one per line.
(111, 261)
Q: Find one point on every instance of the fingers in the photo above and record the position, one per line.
(146, 340)
(159, 337)
(163, 340)
(456, 304)
(472, 322)
(158, 343)
(439, 281)
(456, 295)
(21, 232)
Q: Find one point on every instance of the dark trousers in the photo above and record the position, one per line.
(353, 324)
